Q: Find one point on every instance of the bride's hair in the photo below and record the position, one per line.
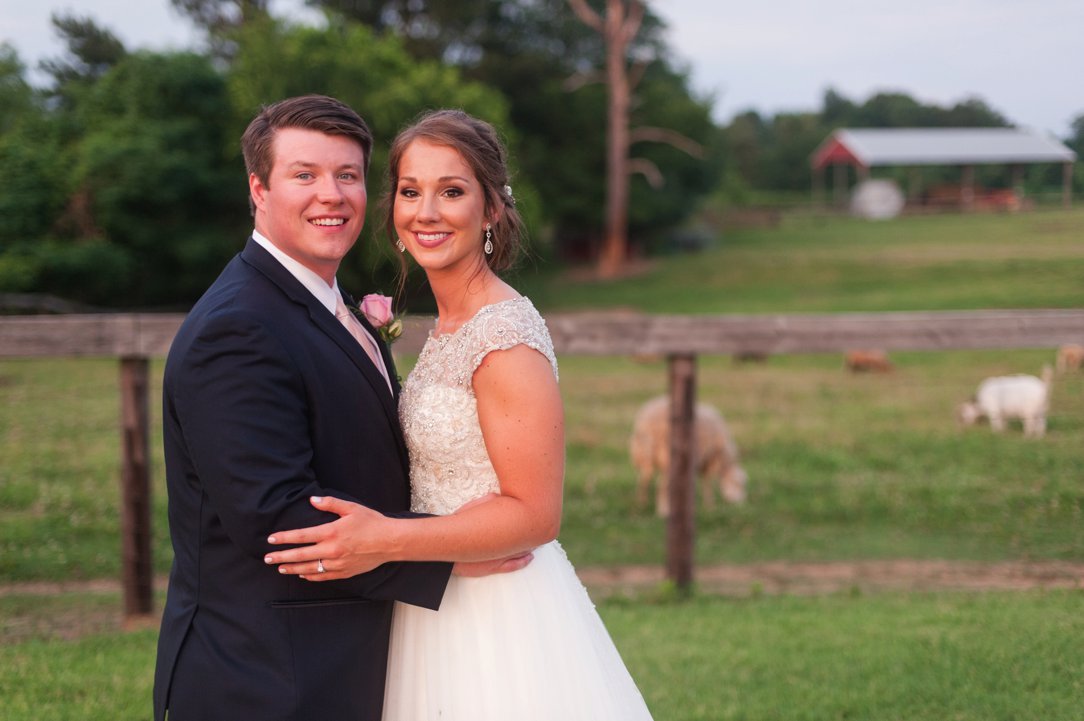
(478, 144)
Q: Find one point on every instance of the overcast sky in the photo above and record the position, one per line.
(1021, 57)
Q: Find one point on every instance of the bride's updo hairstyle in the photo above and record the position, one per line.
(477, 143)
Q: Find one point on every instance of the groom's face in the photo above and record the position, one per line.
(313, 204)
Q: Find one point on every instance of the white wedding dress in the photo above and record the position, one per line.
(522, 646)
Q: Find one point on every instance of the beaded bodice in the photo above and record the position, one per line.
(449, 465)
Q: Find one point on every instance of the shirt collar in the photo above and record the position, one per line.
(327, 295)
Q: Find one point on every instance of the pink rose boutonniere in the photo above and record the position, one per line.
(377, 310)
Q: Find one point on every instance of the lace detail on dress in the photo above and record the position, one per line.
(449, 465)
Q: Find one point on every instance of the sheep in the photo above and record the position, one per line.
(1002, 398)
(716, 455)
(867, 360)
(1070, 357)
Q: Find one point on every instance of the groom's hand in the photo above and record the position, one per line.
(334, 550)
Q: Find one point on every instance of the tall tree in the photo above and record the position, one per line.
(91, 51)
(618, 28)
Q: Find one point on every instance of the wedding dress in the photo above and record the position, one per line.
(522, 646)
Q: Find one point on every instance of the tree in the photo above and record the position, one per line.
(618, 28)
(221, 19)
(91, 51)
(16, 96)
(529, 50)
(154, 195)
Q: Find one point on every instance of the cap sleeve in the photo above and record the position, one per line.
(507, 325)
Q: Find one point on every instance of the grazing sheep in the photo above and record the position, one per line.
(1070, 358)
(716, 455)
(867, 360)
(1003, 398)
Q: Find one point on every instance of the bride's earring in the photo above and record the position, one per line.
(400, 246)
(488, 247)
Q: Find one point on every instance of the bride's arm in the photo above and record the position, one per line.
(522, 421)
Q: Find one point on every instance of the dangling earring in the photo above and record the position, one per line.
(488, 247)
(400, 246)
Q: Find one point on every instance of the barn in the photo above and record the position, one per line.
(866, 148)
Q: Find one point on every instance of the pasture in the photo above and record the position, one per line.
(841, 467)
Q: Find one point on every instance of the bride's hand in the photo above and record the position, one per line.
(338, 549)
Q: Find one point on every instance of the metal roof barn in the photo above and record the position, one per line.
(865, 148)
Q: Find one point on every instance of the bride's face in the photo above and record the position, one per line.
(439, 208)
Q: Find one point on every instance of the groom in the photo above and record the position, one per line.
(269, 399)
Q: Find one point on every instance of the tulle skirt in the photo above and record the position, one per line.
(523, 646)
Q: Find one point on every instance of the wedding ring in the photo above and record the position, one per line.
(320, 565)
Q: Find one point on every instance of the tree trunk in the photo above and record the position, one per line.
(614, 252)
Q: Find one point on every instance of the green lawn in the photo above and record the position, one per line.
(934, 657)
(818, 264)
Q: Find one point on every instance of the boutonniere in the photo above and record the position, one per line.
(377, 310)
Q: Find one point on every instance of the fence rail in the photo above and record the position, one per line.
(134, 338)
(614, 333)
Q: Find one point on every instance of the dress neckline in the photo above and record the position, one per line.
(443, 338)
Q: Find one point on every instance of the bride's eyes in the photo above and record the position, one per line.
(450, 192)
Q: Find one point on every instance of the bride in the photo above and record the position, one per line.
(483, 421)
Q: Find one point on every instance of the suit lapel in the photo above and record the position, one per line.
(264, 262)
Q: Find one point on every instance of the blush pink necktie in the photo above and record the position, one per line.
(353, 325)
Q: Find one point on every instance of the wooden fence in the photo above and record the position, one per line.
(135, 338)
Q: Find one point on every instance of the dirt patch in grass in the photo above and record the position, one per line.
(785, 577)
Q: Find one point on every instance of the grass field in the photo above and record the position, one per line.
(821, 264)
(945, 656)
(841, 467)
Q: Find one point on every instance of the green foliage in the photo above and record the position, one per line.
(128, 196)
(32, 186)
(16, 95)
(91, 50)
(153, 162)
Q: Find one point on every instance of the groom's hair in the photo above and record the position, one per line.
(307, 112)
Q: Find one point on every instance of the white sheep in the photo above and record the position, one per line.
(716, 455)
(1003, 398)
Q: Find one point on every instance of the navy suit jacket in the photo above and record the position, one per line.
(268, 400)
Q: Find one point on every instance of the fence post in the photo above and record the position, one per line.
(137, 573)
(680, 532)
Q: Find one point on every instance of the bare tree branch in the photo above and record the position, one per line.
(589, 17)
(577, 81)
(633, 21)
(649, 170)
(673, 138)
(636, 73)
